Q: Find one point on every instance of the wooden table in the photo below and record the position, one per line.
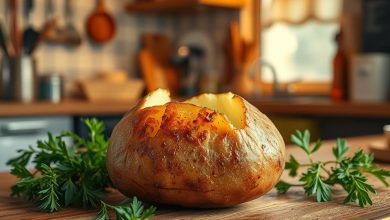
(293, 205)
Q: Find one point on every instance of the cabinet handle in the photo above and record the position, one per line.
(24, 127)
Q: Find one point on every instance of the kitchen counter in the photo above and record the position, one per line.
(293, 205)
(67, 107)
(310, 107)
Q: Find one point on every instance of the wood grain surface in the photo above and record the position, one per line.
(293, 205)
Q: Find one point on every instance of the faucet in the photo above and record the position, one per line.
(277, 92)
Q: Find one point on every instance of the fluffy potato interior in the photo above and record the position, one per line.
(156, 98)
(226, 103)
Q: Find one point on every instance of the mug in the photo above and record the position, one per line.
(51, 88)
(18, 78)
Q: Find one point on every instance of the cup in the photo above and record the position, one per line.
(386, 131)
(18, 78)
(51, 88)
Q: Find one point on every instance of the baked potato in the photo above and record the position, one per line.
(208, 151)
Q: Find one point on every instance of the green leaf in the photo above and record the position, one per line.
(302, 140)
(363, 161)
(379, 173)
(70, 192)
(315, 185)
(96, 128)
(127, 209)
(292, 165)
(26, 188)
(358, 190)
(282, 187)
(90, 197)
(359, 159)
(306, 139)
(20, 171)
(148, 213)
(103, 213)
(49, 196)
(23, 159)
(316, 146)
(136, 207)
(341, 149)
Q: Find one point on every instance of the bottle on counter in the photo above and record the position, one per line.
(340, 71)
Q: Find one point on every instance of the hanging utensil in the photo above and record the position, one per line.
(101, 26)
(66, 35)
(49, 26)
(3, 41)
(55, 35)
(14, 27)
(72, 36)
(30, 36)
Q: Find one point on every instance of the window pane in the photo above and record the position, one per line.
(300, 52)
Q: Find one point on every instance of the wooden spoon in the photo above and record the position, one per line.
(14, 28)
(101, 26)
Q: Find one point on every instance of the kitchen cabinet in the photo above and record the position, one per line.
(182, 5)
(21, 132)
(293, 205)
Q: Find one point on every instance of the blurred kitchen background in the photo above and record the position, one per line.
(323, 65)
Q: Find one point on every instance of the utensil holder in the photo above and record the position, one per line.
(18, 78)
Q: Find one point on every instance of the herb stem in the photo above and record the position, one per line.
(305, 165)
(326, 170)
(325, 163)
(330, 162)
(311, 160)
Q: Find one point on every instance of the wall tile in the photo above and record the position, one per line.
(89, 58)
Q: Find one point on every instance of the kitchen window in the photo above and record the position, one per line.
(300, 52)
(298, 39)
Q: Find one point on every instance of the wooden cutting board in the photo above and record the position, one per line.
(293, 205)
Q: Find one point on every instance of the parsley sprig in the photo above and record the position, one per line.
(70, 174)
(127, 210)
(349, 172)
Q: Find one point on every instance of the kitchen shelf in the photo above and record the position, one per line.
(67, 107)
(312, 107)
(182, 5)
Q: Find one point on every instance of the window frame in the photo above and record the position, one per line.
(251, 29)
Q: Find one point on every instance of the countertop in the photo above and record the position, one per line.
(293, 205)
(311, 107)
(67, 107)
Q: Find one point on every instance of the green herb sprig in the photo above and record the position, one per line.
(69, 175)
(127, 210)
(345, 171)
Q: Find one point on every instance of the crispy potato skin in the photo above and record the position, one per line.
(185, 155)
